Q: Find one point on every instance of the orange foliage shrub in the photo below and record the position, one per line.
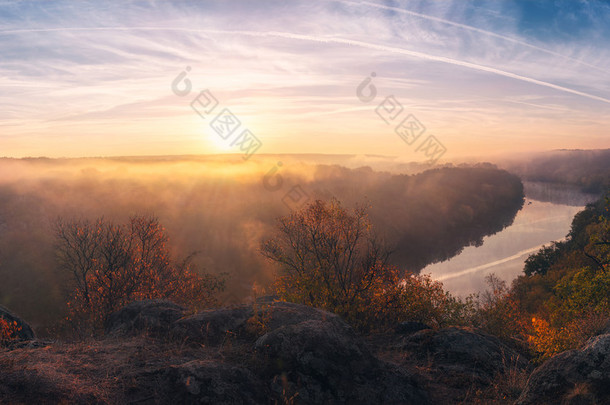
(548, 340)
(411, 297)
(329, 258)
(8, 331)
(112, 265)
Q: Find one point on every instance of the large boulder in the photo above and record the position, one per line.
(573, 377)
(156, 316)
(304, 354)
(209, 382)
(276, 352)
(462, 355)
(323, 361)
(212, 327)
(282, 313)
(24, 331)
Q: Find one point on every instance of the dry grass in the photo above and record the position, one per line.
(581, 393)
(108, 371)
(447, 387)
(505, 387)
(132, 370)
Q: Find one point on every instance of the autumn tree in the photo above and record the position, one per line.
(329, 257)
(112, 264)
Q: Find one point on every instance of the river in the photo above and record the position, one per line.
(546, 216)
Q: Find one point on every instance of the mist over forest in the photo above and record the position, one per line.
(586, 169)
(223, 208)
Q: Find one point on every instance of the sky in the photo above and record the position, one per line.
(129, 78)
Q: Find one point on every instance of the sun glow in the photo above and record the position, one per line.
(217, 143)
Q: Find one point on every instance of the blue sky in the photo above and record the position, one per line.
(94, 78)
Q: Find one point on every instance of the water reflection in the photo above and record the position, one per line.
(546, 216)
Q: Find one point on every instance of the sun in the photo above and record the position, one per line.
(217, 143)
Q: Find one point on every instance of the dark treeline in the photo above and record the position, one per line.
(221, 210)
(433, 215)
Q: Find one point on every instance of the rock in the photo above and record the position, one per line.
(410, 327)
(287, 313)
(25, 331)
(323, 361)
(212, 327)
(154, 316)
(315, 347)
(209, 382)
(461, 354)
(572, 377)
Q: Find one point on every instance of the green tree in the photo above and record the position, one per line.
(542, 261)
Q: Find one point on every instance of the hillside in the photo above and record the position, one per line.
(273, 352)
(281, 353)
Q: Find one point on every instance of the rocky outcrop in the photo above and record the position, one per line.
(461, 354)
(212, 327)
(277, 352)
(208, 382)
(287, 352)
(573, 377)
(24, 331)
(322, 361)
(155, 316)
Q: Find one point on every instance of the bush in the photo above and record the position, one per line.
(112, 265)
(549, 339)
(541, 261)
(8, 331)
(497, 311)
(416, 297)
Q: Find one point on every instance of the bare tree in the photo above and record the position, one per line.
(328, 256)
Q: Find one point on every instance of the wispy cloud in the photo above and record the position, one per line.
(476, 30)
(291, 69)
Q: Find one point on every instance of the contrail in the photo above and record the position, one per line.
(362, 44)
(471, 28)
(490, 264)
(416, 54)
